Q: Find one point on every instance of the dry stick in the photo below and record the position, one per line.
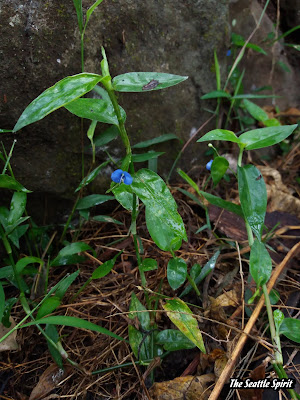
(227, 371)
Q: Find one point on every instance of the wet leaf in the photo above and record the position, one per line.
(173, 340)
(17, 207)
(160, 139)
(66, 255)
(253, 197)
(92, 200)
(146, 156)
(95, 109)
(176, 272)
(8, 182)
(264, 137)
(220, 134)
(138, 81)
(139, 345)
(290, 327)
(123, 195)
(181, 316)
(49, 380)
(260, 263)
(218, 169)
(148, 264)
(164, 223)
(59, 95)
(91, 176)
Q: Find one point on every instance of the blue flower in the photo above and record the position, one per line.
(228, 53)
(120, 176)
(208, 165)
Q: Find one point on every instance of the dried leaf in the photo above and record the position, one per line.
(49, 380)
(183, 388)
(254, 394)
(226, 299)
(10, 343)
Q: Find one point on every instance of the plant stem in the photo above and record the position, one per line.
(82, 50)
(194, 286)
(274, 336)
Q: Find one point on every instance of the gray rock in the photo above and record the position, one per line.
(40, 44)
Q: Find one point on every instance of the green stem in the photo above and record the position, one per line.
(240, 156)
(278, 368)
(82, 50)
(194, 286)
(274, 336)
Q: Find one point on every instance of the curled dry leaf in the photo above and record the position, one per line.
(183, 388)
(49, 380)
(10, 343)
(279, 196)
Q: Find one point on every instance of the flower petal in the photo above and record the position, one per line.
(127, 178)
(208, 165)
(116, 176)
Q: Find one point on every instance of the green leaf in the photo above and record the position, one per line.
(257, 112)
(92, 200)
(278, 319)
(17, 233)
(95, 109)
(74, 322)
(142, 315)
(217, 70)
(271, 122)
(260, 263)
(253, 197)
(78, 8)
(51, 331)
(105, 218)
(10, 228)
(105, 268)
(17, 207)
(23, 262)
(123, 195)
(218, 169)
(208, 267)
(7, 309)
(48, 306)
(2, 302)
(64, 285)
(176, 272)
(264, 137)
(139, 345)
(254, 96)
(160, 139)
(220, 134)
(59, 95)
(181, 316)
(146, 156)
(8, 182)
(195, 271)
(274, 297)
(215, 94)
(91, 176)
(173, 340)
(164, 223)
(107, 136)
(91, 10)
(148, 264)
(65, 256)
(217, 201)
(238, 40)
(145, 81)
(290, 328)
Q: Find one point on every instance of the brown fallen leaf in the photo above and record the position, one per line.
(10, 343)
(183, 388)
(48, 381)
